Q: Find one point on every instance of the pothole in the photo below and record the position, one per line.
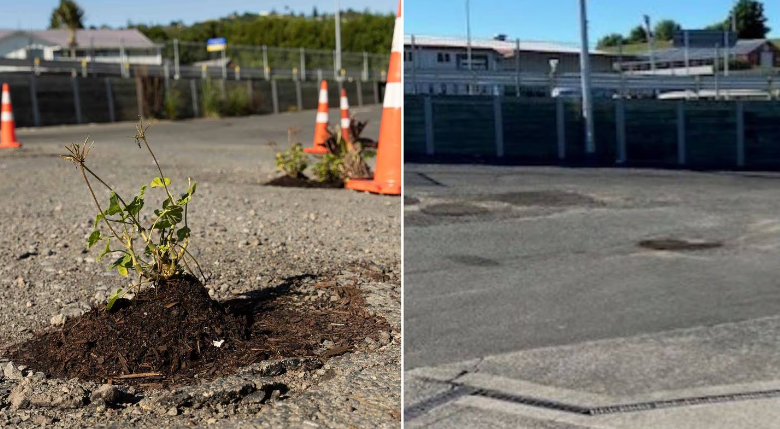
(542, 198)
(454, 210)
(411, 201)
(679, 245)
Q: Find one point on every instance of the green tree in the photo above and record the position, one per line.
(750, 19)
(638, 34)
(68, 15)
(610, 40)
(665, 29)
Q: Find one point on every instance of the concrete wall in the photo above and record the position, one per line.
(679, 134)
(59, 100)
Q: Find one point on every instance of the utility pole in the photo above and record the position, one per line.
(587, 103)
(338, 41)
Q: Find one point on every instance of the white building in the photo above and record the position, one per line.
(430, 55)
(105, 46)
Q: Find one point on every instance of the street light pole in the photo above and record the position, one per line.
(651, 41)
(587, 103)
(338, 41)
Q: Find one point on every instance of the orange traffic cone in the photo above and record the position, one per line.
(387, 177)
(321, 127)
(344, 115)
(7, 124)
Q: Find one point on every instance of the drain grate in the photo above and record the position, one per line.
(423, 407)
(459, 391)
(678, 245)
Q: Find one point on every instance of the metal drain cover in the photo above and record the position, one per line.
(679, 245)
(454, 210)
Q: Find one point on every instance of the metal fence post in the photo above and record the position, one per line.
(365, 66)
(335, 66)
(319, 75)
(681, 151)
(620, 130)
(298, 95)
(76, 100)
(740, 134)
(139, 96)
(517, 68)
(250, 92)
(110, 101)
(176, 59)
(430, 148)
(266, 68)
(376, 92)
(166, 73)
(359, 87)
(303, 63)
(238, 73)
(194, 94)
(498, 119)
(275, 96)
(34, 99)
(560, 121)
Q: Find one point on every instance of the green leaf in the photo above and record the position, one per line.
(122, 264)
(112, 299)
(113, 205)
(98, 218)
(105, 251)
(183, 233)
(135, 206)
(143, 191)
(158, 182)
(93, 238)
(122, 271)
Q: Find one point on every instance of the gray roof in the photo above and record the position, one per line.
(506, 48)
(743, 47)
(98, 38)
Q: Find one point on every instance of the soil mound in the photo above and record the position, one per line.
(302, 182)
(170, 334)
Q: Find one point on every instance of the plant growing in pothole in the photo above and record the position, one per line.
(294, 161)
(346, 159)
(163, 243)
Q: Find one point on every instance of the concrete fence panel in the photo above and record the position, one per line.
(651, 132)
(464, 127)
(55, 100)
(762, 134)
(530, 129)
(711, 134)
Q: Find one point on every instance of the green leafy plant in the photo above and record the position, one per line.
(328, 168)
(352, 154)
(171, 103)
(237, 103)
(293, 161)
(163, 253)
(212, 101)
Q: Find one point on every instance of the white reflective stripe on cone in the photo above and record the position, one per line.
(344, 103)
(323, 96)
(345, 123)
(322, 117)
(398, 35)
(7, 116)
(394, 96)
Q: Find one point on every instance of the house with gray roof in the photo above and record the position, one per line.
(108, 46)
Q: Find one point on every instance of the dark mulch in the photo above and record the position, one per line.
(165, 336)
(302, 182)
(673, 244)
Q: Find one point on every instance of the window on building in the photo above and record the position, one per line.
(444, 89)
(408, 56)
(443, 57)
(446, 58)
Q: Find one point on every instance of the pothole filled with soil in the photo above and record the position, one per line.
(473, 260)
(542, 198)
(678, 245)
(176, 334)
(302, 182)
(454, 210)
(411, 201)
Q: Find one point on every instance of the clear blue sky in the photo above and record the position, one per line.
(26, 14)
(558, 20)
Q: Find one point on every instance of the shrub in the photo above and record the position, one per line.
(352, 155)
(237, 103)
(328, 168)
(293, 162)
(164, 241)
(171, 103)
(212, 100)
